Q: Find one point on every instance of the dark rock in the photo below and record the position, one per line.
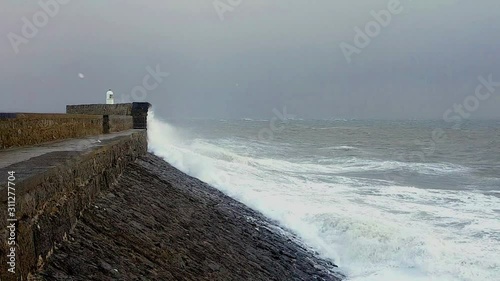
(214, 266)
(106, 266)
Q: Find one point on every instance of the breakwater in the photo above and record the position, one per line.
(52, 167)
(161, 224)
(99, 207)
(23, 129)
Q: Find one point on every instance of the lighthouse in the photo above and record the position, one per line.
(109, 97)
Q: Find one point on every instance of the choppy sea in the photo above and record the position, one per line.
(384, 200)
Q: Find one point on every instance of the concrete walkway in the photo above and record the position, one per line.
(27, 161)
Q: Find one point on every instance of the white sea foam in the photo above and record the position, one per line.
(372, 230)
(341, 147)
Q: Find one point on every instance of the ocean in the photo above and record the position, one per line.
(384, 200)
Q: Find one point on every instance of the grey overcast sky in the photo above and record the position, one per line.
(263, 54)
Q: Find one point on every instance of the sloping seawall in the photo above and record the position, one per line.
(50, 186)
(99, 207)
(161, 224)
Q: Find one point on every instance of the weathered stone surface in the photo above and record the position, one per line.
(160, 224)
(54, 187)
(34, 128)
(138, 110)
(140, 114)
(118, 123)
(100, 109)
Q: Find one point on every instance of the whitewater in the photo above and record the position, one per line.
(340, 187)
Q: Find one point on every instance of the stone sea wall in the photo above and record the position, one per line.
(22, 129)
(118, 123)
(100, 109)
(50, 200)
(161, 224)
(137, 110)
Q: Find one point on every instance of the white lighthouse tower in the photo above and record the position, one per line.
(109, 97)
